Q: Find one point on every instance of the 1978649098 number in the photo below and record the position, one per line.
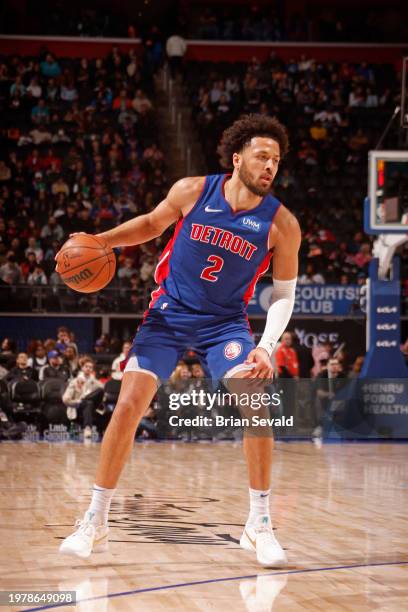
(23, 598)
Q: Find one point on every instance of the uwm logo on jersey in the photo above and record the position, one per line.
(251, 224)
(223, 239)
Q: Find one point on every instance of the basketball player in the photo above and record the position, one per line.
(228, 227)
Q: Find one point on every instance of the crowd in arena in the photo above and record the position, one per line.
(260, 21)
(81, 155)
(52, 383)
(334, 113)
(269, 23)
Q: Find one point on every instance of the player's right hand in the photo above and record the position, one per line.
(261, 362)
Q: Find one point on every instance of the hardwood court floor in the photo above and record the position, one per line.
(340, 511)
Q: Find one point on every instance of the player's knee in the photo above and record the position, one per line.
(129, 411)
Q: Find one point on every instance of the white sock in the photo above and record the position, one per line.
(258, 505)
(99, 507)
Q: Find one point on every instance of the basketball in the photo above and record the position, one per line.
(86, 264)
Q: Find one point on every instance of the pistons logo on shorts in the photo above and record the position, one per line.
(232, 350)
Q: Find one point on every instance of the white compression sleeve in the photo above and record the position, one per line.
(279, 313)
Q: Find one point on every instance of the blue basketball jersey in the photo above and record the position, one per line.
(216, 256)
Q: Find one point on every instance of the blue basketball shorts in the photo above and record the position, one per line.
(170, 328)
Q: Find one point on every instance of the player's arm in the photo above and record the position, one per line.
(178, 202)
(285, 240)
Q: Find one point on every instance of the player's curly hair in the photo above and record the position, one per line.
(239, 134)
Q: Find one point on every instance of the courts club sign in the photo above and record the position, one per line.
(337, 300)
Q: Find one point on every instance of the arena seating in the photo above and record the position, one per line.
(80, 152)
(334, 114)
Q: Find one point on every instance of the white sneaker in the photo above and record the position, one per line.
(88, 432)
(87, 538)
(260, 539)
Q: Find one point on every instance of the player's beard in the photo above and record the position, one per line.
(246, 178)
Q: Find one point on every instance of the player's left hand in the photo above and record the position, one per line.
(262, 364)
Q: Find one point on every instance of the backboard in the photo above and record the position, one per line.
(386, 208)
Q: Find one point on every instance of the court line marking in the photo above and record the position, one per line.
(215, 580)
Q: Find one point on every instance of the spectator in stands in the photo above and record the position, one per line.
(10, 272)
(68, 219)
(305, 358)
(127, 270)
(50, 344)
(101, 346)
(63, 338)
(84, 395)
(21, 371)
(50, 67)
(358, 141)
(60, 186)
(28, 265)
(52, 231)
(327, 383)
(33, 247)
(60, 137)
(197, 370)
(310, 276)
(363, 257)
(7, 349)
(357, 97)
(356, 367)
(84, 221)
(68, 91)
(40, 113)
(38, 359)
(180, 377)
(17, 89)
(51, 91)
(5, 172)
(70, 356)
(371, 98)
(322, 351)
(286, 358)
(37, 276)
(141, 103)
(147, 267)
(55, 367)
(122, 102)
(117, 373)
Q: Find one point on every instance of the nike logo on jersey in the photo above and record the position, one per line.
(209, 209)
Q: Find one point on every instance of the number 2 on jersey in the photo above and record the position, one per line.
(209, 273)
